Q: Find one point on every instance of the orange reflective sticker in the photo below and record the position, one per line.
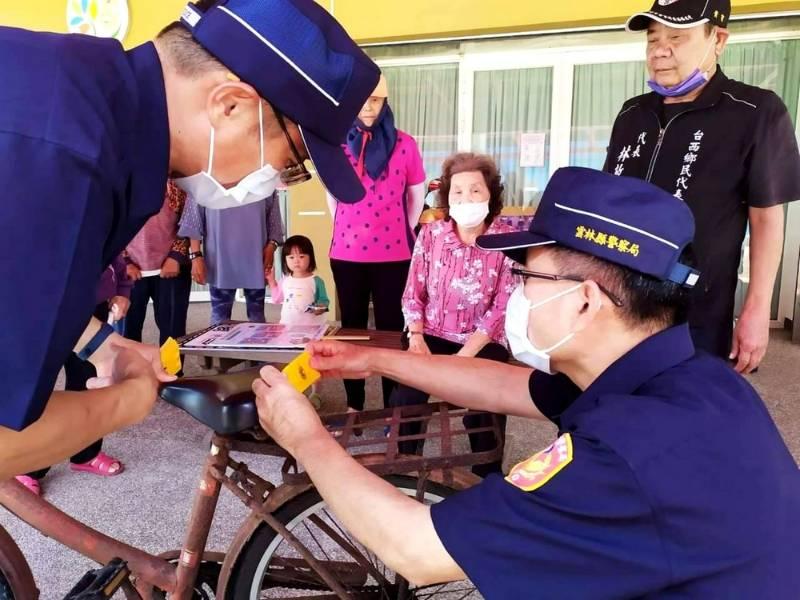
(533, 473)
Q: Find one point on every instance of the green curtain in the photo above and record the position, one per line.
(506, 105)
(771, 65)
(599, 91)
(424, 101)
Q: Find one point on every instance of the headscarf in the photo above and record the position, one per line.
(373, 146)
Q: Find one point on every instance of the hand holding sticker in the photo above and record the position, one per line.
(171, 356)
(300, 373)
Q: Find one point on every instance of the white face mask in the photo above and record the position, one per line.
(517, 316)
(469, 214)
(256, 186)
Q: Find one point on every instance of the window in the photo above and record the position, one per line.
(510, 107)
(424, 101)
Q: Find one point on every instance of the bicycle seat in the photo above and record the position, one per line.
(225, 403)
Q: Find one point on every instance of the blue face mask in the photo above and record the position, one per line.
(691, 83)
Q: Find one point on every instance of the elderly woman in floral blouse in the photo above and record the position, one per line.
(456, 294)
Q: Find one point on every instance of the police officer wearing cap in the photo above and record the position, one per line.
(230, 100)
(668, 478)
(729, 151)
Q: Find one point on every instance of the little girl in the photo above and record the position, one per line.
(302, 293)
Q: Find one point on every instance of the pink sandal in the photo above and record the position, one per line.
(30, 483)
(102, 465)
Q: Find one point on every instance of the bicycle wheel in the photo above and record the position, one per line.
(6, 592)
(16, 579)
(269, 567)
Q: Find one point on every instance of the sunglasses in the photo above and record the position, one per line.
(525, 274)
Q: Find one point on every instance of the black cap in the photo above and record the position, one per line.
(682, 14)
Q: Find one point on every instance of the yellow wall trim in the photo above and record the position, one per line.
(398, 20)
(393, 20)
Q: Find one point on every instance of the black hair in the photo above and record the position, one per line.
(304, 245)
(647, 302)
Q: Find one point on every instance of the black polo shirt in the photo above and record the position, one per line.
(733, 148)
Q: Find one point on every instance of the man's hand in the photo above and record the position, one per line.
(199, 270)
(119, 305)
(269, 259)
(106, 355)
(750, 340)
(170, 269)
(284, 413)
(130, 367)
(341, 361)
(269, 275)
(134, 272)
(417, 345)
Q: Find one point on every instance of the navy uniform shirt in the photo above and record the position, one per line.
(731, 149)
(669, 479)
(84, 138)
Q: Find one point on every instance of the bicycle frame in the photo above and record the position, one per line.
(262, 497)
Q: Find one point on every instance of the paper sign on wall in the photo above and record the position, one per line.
(531, 149)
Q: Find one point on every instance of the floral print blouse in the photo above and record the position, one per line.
(455, 289)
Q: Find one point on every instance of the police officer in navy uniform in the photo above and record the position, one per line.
(668, 477)
(729, 151)
(230, 101)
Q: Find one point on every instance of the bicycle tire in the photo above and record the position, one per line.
(6, 593)
(247, 574)
(16, 579)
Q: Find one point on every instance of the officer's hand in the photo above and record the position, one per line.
(127, 366)
(284, 413)
(134, 272)
(170, 269)
(105, 357)
(417, 345)
(343, 361)
(750, 340)
(199, 270)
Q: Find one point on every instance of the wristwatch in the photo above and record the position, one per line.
(413, 333)
(193, 255)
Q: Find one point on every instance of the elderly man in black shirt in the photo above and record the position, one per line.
(729, 151)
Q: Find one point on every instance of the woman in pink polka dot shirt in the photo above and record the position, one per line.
(373, 238)
(456, 295)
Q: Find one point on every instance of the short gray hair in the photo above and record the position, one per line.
(188, 57)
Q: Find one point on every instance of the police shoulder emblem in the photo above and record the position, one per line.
(533, 473)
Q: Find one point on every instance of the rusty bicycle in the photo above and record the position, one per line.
(290, 545)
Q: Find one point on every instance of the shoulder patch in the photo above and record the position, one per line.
(533, 473)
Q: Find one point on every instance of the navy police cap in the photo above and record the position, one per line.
(300, 59)
(622, 220)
